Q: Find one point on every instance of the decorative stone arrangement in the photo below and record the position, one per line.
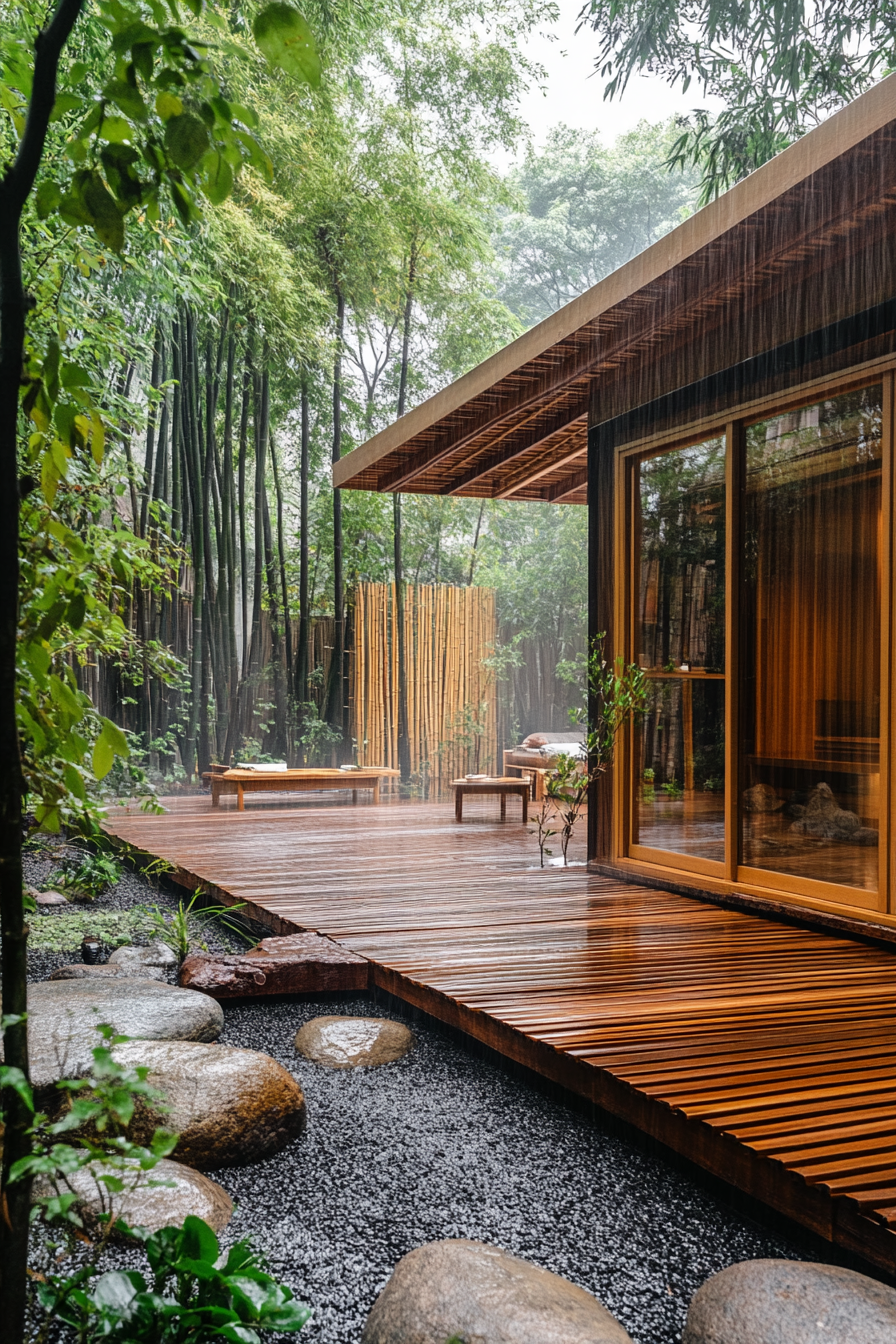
(471, 1291)
(353, 1042)
(229, 1106)
(791, 1302)
(302, 963)
(145, 963)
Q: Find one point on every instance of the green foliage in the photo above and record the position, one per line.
(65, 931)
(584, 210)
(190, 923)
(780, 66)
(87, 877)
(194, 1293)
(286, 40)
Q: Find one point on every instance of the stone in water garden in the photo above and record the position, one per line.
(229, 1106)
(353, 1042)
(300, 963)
(162, 1197)
(480, 1293)
(63, 1016)
(791, 1302)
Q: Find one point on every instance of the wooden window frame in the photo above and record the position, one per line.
(732, 875)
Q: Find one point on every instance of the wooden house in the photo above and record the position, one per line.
(724, 407)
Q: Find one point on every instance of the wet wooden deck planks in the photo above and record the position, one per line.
(764, 1052)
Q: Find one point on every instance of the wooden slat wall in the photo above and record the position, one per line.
(448, 633)
(762, 1051)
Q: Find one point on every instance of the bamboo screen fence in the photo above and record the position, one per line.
(452, 701)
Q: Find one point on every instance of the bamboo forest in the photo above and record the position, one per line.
(367, 253)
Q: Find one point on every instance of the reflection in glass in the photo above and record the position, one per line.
(679, 793)
(681, 538)
(811, 642)
(678, 802)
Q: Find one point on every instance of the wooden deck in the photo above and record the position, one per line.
(764, 1052)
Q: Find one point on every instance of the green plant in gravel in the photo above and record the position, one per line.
(188, 925)
(189, 1294)
(87, 877)
(64, 932)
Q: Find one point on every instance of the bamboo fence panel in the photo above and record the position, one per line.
(452, 703)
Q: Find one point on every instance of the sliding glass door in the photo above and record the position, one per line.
(774, 532)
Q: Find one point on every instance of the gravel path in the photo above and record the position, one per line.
(444, 1144)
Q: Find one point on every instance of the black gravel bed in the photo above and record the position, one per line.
(444, 1144)
(447, 1144)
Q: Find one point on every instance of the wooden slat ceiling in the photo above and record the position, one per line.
(803, 242)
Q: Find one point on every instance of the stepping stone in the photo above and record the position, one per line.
(145, 1204)
(229, 1106)
(63, 1016)
(791, 1302)
(471, 1291)
(302, 963)
(152, 962)
(353, 1042)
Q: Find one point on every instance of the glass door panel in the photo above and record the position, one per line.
(811, 610)
(679, 760)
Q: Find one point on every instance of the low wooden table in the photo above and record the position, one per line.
(242, 782)
(502, 785)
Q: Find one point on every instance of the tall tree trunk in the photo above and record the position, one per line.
(154, 380)
(227, 560)
(335, 706)
(281, 558)
(404, 741)
(244, 549)
(15, 188)
(196, 716)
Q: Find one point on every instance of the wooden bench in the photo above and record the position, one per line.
(242, 782)
(501, 785)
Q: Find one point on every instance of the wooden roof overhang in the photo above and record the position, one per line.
(776, 279)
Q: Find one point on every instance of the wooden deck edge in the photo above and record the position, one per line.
(862, 930)
(836, 1221)
(722, 1156)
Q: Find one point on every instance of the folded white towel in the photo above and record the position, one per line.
(264, 766)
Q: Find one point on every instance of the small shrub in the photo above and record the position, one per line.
(87, 877)
(188, 926)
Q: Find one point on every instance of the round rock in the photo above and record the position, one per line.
(50, 898)
(162, 1197)
(63, 1016)
(353, 1042)
(229, 1106)
(482, 1295)
(152, 962)
(791, 1302)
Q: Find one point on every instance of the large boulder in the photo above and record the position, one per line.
(791, 1302)
(80, 970)
(482, 1295)
(162, 1197)
(302, 963)
(152, 962)
(229, 1106)
(353, 1042)
(63, 1016)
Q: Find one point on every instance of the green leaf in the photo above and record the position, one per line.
(115, 130)
(106, 219)
(183, 203)
(115, 1291)
(198, 1241)
(74, 375)
(46, 199)
(127, 97)
(168, 105)
(186, 140)
(77, 610)
(285, 39)
(65, 103)
(103, 757)
(217, 177)
(15, 1079)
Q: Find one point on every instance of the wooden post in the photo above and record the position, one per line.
(601, 549)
